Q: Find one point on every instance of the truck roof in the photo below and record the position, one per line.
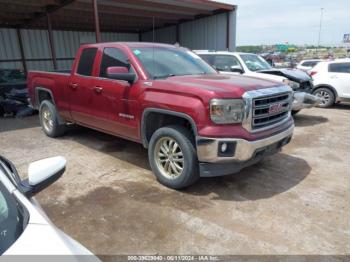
(212, 52)
(129, 44)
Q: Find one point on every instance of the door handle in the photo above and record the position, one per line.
(98, 89)
(73, 86)
(334, 77)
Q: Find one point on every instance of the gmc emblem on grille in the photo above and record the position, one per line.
(276, 108)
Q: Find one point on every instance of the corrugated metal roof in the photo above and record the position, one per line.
(115, 16)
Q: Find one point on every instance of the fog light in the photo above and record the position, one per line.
(226, 148)
(223, 147)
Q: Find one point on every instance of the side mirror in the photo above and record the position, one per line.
(120, 73)
(42, 174)
(236, 70)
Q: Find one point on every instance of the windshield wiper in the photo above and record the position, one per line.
(164, 76)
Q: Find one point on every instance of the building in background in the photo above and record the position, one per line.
(45, 34)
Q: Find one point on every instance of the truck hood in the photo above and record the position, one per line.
(222, 85)
(292, 74)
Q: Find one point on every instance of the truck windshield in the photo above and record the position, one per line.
(163, 62)
(255, 62)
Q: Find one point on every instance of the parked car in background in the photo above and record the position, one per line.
(12, 79)
(14, 93)
(253, 65)
(306, 65)
(194, 121)
(24, 227)
(332, 81)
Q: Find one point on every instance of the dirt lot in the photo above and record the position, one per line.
(296, 202)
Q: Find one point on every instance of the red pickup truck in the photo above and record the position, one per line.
(194, 121)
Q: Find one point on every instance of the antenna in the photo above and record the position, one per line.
(153, 36)
(153, 29)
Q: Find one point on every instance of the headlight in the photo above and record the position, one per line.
(292, 84)
(227, 111)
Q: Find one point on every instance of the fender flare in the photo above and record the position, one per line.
(147, 111)
(37, 90)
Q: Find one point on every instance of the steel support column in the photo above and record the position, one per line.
(51, 42)
(23, 58)
(97, 21)
(231, 30)
(228, 29)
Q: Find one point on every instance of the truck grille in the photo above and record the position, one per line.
(270, 110)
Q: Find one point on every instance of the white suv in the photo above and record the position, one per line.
(332, 81)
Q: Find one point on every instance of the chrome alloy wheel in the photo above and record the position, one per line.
(169, 157)
(325, 97)
(46, 117)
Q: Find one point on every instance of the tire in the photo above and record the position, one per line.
(294, 112)
(161, 161)
(327, 95)
(2, 109)
(49, 120)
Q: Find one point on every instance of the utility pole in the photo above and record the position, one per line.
(319, 33)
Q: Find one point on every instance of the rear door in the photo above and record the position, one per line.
(339, 75)
(114, 102)
(80, 85)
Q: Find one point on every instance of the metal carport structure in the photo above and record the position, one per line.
(36, 34)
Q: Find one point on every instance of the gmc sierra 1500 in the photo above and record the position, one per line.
(194, 121)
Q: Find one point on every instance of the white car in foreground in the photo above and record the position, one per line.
(332, 81)
(24, 227)
(255, 66)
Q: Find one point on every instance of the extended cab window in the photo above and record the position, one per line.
(112, 57)
(86, 62)
(339, 68)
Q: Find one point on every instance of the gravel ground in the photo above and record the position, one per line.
(295, 202)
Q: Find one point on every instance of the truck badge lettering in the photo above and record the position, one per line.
(276, 108)
(126, 116)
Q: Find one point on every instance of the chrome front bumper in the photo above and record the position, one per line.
(208, 148)
(304, 100)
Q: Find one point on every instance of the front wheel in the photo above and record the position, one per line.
(326, 95)
(173, 157)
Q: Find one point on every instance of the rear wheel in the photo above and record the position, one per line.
(49, 120)
(326, 95)
(173, 157)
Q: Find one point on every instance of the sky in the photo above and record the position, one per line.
(292, 21)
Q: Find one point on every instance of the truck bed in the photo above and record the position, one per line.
(55, 82)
